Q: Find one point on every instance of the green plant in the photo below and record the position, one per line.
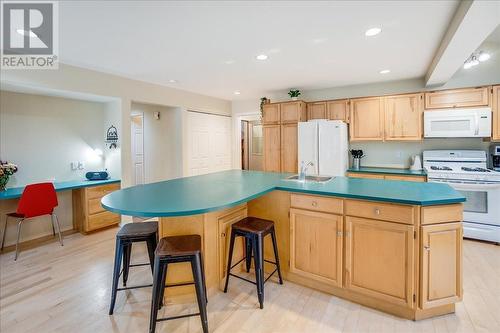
(263, 100)
(6, 170)
(294, 93)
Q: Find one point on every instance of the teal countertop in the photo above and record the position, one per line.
(15, 192)
(389, 171)
(215, 191)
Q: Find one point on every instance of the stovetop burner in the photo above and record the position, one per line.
(477, 169)
(445, 168)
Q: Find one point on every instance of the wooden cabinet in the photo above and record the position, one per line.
(316, 246)
(338, 110)
(88, 214)
(441, 264)
(379, 260)
(400, 177)
(289, 148)
(496, 113)
(403, 117)
(381, 211)
(419, 179)
(224, 229)
(316, 110)
(272, 147)
(271, 113)
(293, 112)
(455, 98)
(365, 175)
(367, 119)
(317, 203)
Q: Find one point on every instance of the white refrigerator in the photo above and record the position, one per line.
(324, 143)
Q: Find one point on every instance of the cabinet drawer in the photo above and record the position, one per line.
(381, 211)
(101, 220)
(95, 206)
(321, 204)
(365, 175)
(102, 190)
(420, 179)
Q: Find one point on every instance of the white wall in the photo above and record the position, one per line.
(162, 142)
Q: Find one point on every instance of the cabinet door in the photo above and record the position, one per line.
(293, 112)
(379, 260)
(403, 117)
(441, 273)
(316, 246)
(271, 113)
(316, 110)
(365, 175)
(289, 148)
(457, 98)
(224, 225)
(367, 119)
(338, 110)
(496, 113)
(272, 152)
(419, 179)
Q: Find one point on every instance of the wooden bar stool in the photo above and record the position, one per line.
(176, 249)
(254, 230)
(131, 233)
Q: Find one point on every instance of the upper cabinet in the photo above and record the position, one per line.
(403, 117)
(456, 98)
(338, 110)
(271, 114)
(293, 112)
(367, 119)
(496, 113)
(316, 110)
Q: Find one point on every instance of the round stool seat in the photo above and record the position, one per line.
(253, 225)
(179, 245)
(138, 229)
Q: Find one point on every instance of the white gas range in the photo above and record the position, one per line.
(466, 171)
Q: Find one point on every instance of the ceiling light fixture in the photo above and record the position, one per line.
(385, 71)
(261, 57)
(237, 92)
(476, 58)
(172, 81)
(372, 32)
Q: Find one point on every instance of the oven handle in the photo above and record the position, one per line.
(476, 185)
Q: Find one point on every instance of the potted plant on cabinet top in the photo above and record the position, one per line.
(6, 170)
(294, 94)
(263, 100)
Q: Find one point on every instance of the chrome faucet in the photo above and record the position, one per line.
(303, 170)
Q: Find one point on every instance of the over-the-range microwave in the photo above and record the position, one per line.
(457, 123)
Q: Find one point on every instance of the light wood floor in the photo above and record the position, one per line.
(67, 289)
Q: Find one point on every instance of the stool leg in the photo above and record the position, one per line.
(155, 299)
(248, 254)
(229, 259)
(127, 250)
(151, 244)
(163, 277)
(276, 256)
(18, 235)
(203, 278)
(259, 267)
(116, 273)
(200, 294)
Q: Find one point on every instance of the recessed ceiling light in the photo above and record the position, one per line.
(229, 62)
(24, 33)
(261, 57)
(483, 56)
(172, 81)
(237, 92)
(385, 71)
(372, 32)
(467, 65)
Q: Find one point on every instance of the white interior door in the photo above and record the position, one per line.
(137, 123)
(209, 143)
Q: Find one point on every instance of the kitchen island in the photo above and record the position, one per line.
(391, 245)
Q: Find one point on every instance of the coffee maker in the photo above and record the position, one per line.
(495, 157)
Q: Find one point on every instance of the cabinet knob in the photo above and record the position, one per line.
(377, 211)
(223, 234)
(427, 247)
(314, 204)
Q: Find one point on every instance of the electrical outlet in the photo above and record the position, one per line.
(74, 165)
(81, 165)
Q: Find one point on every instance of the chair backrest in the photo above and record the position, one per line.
(37, 200)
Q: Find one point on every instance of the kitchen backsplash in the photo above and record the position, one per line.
(397, 154)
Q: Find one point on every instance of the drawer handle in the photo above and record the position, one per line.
(377, 211)
(314, 204)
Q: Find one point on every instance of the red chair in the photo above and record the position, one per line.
(36, 200)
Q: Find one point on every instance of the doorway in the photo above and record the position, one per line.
(251, 145)
(137, 136)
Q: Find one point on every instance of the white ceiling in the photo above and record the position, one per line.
(210, 47)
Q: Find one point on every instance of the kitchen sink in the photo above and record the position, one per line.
(316, 179)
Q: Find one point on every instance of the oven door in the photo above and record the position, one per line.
(483, 201)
